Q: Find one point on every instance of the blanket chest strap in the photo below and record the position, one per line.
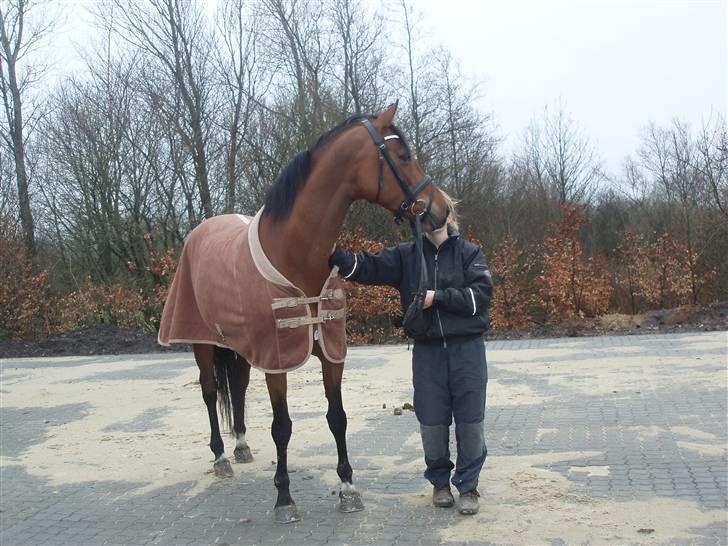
(295, 322)
(333, 294)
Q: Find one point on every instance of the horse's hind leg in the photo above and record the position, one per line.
(205, 358)
(239, 379)
(285, 510)
(349, 497)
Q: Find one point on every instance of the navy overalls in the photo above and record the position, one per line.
(449, 370)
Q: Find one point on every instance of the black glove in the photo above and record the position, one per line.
(344, 259)
(417, 319)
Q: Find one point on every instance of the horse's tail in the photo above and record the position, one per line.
(224, 360)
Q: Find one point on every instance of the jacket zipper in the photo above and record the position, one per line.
(437, 311)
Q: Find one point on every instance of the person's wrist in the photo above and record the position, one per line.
(344, 260)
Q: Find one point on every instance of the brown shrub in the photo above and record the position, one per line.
(24, 290)
(571, 285)
(116, 304)
(512, 291)
(162, 266)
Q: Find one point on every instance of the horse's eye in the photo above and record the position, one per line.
(405, 157)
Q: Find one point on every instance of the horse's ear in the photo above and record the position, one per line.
(386, 117)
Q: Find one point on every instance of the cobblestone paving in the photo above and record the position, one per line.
(592, 440)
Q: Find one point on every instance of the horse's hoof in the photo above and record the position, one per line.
(223, 469)
(350, 501)
(243, 455)
(286, 514)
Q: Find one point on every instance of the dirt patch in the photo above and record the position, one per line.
(109, 340)
(687, 318)
(93, 340)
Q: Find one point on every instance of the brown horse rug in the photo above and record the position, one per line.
(227, 293)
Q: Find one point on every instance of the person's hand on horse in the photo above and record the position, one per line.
(342, 258)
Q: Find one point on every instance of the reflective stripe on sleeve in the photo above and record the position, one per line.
(353, 269)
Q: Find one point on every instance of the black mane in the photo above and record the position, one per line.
(282, 194)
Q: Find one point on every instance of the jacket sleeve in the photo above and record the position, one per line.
(474, 298)
(380, 268)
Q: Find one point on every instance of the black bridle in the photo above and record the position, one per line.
(410, 194)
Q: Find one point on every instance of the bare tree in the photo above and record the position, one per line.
(107, 184)
(242, 80)
(23, 26)
(712, 161)
(530, 158)
(670, 160)
(529, 203)
(440, 105)
(298, 39)
(462, 149)
(358, 41)
(558, 160)
(174, 34)
(413, 79)
(570, 160)
(463, 152)
(8, 186)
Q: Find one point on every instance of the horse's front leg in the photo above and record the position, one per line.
(285, 510)
(349, 497)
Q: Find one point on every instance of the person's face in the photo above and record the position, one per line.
(443, 228)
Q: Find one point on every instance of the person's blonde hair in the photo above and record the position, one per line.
(452, 218)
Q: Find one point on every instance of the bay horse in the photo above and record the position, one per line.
(365, 157)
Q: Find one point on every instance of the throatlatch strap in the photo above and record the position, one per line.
(419, 250)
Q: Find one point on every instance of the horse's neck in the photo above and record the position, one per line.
(299, 246)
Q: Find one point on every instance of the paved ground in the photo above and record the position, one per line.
(592, 440)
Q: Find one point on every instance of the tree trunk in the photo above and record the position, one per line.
(14, 114)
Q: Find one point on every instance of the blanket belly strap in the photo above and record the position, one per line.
(295, 322)
(333, 294)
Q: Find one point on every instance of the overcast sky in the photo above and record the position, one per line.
(615, 64)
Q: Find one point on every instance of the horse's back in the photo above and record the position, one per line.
(207, 282)
(213, 249)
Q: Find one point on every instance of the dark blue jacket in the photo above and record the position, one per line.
(457, 271)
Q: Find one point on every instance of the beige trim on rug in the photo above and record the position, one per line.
(223, 346)
(262, 263)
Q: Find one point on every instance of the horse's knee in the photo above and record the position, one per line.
(208, 384)
(204, 356)
(209, 396)
(281, 432)
(336, 417)
(282, 427)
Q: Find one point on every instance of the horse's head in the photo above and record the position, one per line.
(392, 177)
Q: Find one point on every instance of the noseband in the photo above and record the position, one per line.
(410, 194)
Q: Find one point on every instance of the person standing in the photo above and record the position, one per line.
(449, 370)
